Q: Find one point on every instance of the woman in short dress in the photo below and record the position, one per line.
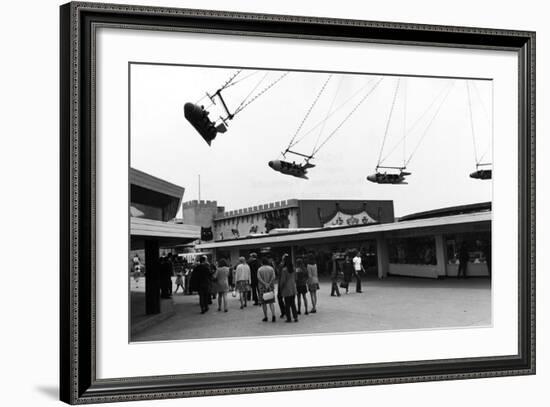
(348, 273)
(221, 283)
(301, 285)
(242, 280)
(312, 282)
(266, 284)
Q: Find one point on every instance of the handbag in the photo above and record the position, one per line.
(344, 284)
(268, 296)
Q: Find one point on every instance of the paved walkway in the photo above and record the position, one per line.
(395, 303)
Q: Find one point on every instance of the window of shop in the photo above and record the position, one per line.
(474, 246)
(412, 250)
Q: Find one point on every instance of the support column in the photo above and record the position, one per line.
(234, 256)
(441, 255)
(382, 257)
(152, 277)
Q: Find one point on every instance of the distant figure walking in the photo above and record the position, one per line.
(201, 278)
(287, 287)
(221, 283)
(334, 277)
(266, 288)
(179, 282)
(242, 280)
(312, 282)
(301, 285)
(463, 257)
(358, 269)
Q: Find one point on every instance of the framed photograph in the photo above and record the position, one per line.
(255, 203)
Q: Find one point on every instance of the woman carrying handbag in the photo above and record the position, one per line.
(266, 289)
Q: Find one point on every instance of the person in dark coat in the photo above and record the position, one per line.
(334, 277)
(254, 265)
(165, 278)
(463, 257)
(201, 278)
(287, 288)
(349, 271)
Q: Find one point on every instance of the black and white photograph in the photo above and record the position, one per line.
(292, 202)
(274, 203)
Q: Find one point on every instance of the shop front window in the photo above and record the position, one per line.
(413, 250)
(473, 246)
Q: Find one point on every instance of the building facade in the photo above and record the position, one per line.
(288, 215)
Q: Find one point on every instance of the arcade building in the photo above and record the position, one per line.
(425, 244)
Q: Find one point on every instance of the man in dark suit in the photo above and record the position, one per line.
(463, 258)
(254, 265)
(165, 277)
(201, 277)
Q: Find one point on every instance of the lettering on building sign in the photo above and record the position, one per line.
(343, 219)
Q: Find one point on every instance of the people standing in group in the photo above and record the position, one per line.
(242, 280)
(266, 288)
(287, 287)
(201, 279)
(334, 277)
(358, 269)
(312, 282)
(348, 273)
(254, 265)
(221, 283)
(463, 258)
(301, 285)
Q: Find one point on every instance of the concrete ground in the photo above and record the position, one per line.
(395, 303)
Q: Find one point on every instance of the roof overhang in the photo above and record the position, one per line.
(149, 182)
(421, 226)
(167, 234)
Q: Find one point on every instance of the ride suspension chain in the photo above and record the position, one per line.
(348, 116)
(309, 110)
(388, 121)
(240, 108)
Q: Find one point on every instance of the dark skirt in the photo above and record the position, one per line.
(313, 286)
(302, 289)
(243, 286)
(262, 289)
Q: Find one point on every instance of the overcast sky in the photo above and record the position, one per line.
(432, 113)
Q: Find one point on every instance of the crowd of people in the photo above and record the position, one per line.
(264, 282)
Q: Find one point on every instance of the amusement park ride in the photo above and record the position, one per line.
(198, 117)
(291, 168)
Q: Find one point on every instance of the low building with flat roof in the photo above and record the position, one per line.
(420, 245)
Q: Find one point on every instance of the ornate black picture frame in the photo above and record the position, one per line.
(78, 381)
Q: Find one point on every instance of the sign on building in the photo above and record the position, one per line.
(344, 219)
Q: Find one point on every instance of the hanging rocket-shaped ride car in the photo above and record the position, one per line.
(198, 117)
(389, 178)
